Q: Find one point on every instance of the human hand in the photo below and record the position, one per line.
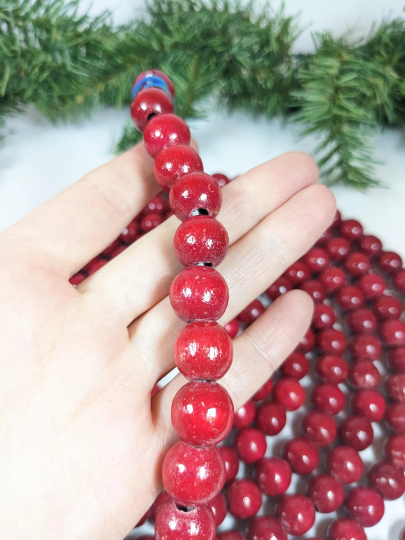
(81, 439)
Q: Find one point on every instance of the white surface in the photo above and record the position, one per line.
(40, 159)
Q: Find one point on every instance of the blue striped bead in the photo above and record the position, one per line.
(151, 81)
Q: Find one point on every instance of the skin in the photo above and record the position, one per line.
(81, 440)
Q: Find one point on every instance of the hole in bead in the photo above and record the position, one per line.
(184, 508)
(151, 116)
(200, 212)
(204, 264)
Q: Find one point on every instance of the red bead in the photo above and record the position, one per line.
(251, 312)
(150, 222)
(365, 505)
(394, 449)
(301, 454)
(388, 479)
(174, 523)
(351, 229)
(199, 293)
(326, 493)
(296, 366)
(297, 514)
(395, 387)
(297, 273)
(202, 413)
(395, 417)
(319, 427)
(289, 393)
(244, 415)
(174, 162)
(264, 391)
(392, 333)
(361, 321)
(399, 281)
(396, 359)
(279, 287)
(110, 250)
(369, 403)
(371, 285)
(337, 219)
(157, 73)
(96, 266)
(349, 297)
(231, 462)
(219, 508)
(332, 278)
(158, 205)
(332, 369)
(193, 476)
(148, 103)
(118, 251)
(345, 464)
(389, 262)
(221, 179)
(195, 193)
(232, 327)
(244, 498)
(230, 535)
(324, 317)
(365, 346)
(271, 418)
(337, 248)
(165, 130)
(357, 264)
(331, 341)
(317, 259)
(273, 476)
(315, 289)
(250, 444)
(159, 501)
(130, 233)
(387, 307)
(203, 351)
(201, 239)
(369, 245)
(266, 528)
(325, 236)
(77, 279)
(307, 342)
(363, 374)
(328, 398)
(346, 529)
(357, 432)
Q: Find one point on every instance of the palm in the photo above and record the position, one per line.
(81, 439)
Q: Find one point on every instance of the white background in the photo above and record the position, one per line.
(40, 159)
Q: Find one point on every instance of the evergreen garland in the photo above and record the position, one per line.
(66, 64)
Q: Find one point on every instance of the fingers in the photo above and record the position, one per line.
(83, 220)
(252, 264)
(140, 277)
(258, 352)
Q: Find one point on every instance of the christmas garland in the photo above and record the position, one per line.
(66, 64)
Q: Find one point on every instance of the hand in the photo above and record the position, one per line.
(81, 440)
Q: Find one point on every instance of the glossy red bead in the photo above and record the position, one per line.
(323, 317)
(368, 403)
(264, 391)
(369, 245)
(363, 374)
(130, 233)
(99, 263)
(307, 342)
(199, 293)
(301, 454)
(331, 369)
(174, 162)
(279, 287)
(325, 492)
(110, 250)
(244, 498)
(345, 464)
(219, 508)
(357, 432)
(351, 229)
(250, 444)
(388, 479)
(165, 130)
(349, 297)
(159, 501)
(195, 193)
(319, 427)
(395, 387)
(365, 505)
(297, 514)
(398, 280)
(365, 346)
(251, 312)
(273, 476)
(232, 327)
(150, 222)
(193, 476)
(266, 528)
(244, 415)
(77, 279)
(331, 341)
(371, 285)
(396, 359)
(328, 398)
(271, 418)
(387, 307)
(174, 523)
(316, 259)
(297, 273)
(394, 449)
(148, 103)
(230, 535)
(357, 264)
(231, 462)
(325, 236)
(395, 417)
(289, 393)
(157, 73)
(221, 179)
(202, 413)
(345, 529)
(337, 248)
(392, 333)
(158, 205)
(361, 321)
(389, 262)
(296, 366)
(332, 278)
(315, 289)
(201, 239)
